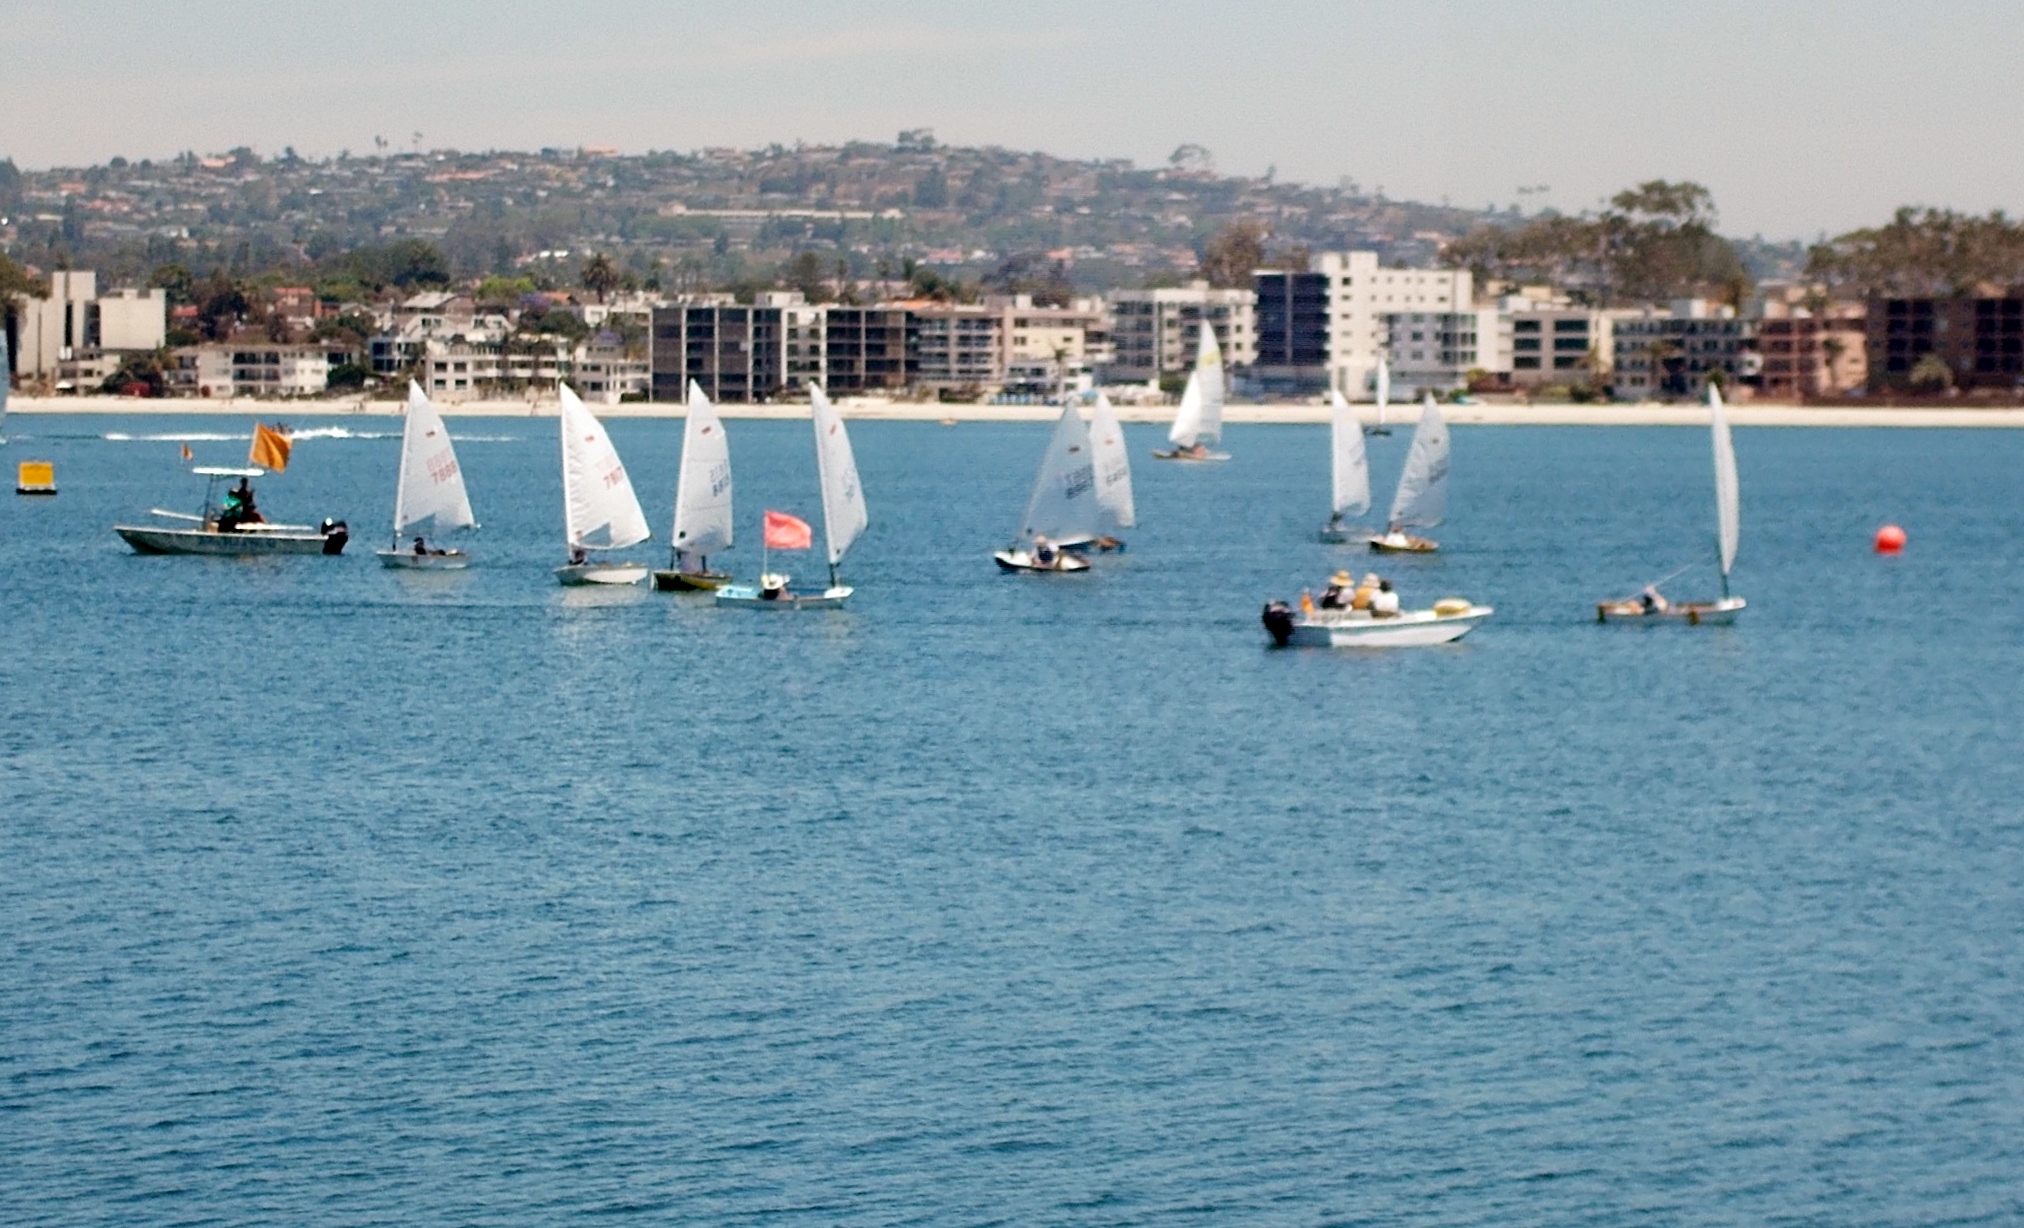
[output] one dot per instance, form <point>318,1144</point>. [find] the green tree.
<point>1931,374</point>
<point>221,305</point>
<point>599,276</point>
<point>1237,251</point>
<point>931,191</point>
<point>179,283</point>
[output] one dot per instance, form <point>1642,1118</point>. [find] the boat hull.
<point>1719,613</point>
<point>1023,561</point>
<point>146,539</point>
<point>601,573</point>
<point>1190,458</point>
<point>691,581</point>
<point>1340,535</point>
<point>1355,629</point>
<point>1410,545</point>
<point>408,560</point>
<point>746,597</point>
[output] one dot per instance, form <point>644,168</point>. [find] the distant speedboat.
<point>1349,471</point>
<point>1448,620</point>
<point>1421,501</point>
<point>220,531</point>
<point>1199,420</point>
<point>430,488</point>
<point>599,509</point>
<point>1061,508</point>
<point>1650,606</point>
<point>702,502</point>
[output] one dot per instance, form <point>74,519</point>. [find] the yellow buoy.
<point>36,478</point>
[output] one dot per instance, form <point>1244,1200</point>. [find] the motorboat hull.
<point>746,597</point>
<point>408,560</point>
<point>691,581</point>
<point>1358,629</point>
<point>1409,545</point>
<point>1023,561</point>
<point>146,539</point>
<point>1204,458</point>
<point>1719,613</point>
<point>601,573</point>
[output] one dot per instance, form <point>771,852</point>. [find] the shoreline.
<point>870,409</point>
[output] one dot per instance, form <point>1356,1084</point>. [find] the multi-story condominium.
<point>737,352</point>
<point>1154,333</point>
<point>1549,341</point>
<point>76,335</point>
<point>1672,351</point>
<point>1436,350</point>
<point>957,345</point>
<point>865,349</point>
<point>1326,327</point>
<point>1810,353</point>
<point>250,368</point>
<point>1981,340</point>
<point>1046,347</point>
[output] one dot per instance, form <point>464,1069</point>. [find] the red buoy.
<point>1890,539</point>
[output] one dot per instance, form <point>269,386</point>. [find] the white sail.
<point>843,511</point>
<point>1200,417</point>
<point>431,483</point>
<point>1349,468</point>
<point>5,380</point>
<point>600,511</point>
<point>703,492</point>
<point>1113,469</point>
<point>1728,515</point>
<point>1062,505</point>
<point>1422,498</point>
<point>1383,387</point>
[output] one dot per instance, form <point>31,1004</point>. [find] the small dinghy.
<point>599,509</point>
<point>232,525</point>
<point>1650,606</point>
<point>1448,620</point>
<point>843,518</point>
<point>1199,421</point>
<point>1422,497</point>
<point>702,502</point>
<point>430,488</point>
<point>1115,511</point>
<point>1349,471</point>
<point>1061,508</point>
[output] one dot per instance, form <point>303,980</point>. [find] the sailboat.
<point>1383,391</point>
<point>600,511</point>
<point>702,501</point>
<point>1649,605</point>
<point>1199,421</point>
<point>1115,511</point>
<point>430,486</point>
<point>843,518</point>
<point>1422,497</point>
<point>1349,469</point>
<point>1061,509</point>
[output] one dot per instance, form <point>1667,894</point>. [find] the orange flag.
<point>270,448</point>
<point>784,532</point>
<point>187,454</point>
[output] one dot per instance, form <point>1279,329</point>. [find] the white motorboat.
<point>218,530</point>
<point>702,502</point>
<point>1448,620</point>
<point>844,518</point>
<point>1421,501</point>
<point>1061,508</point>
<point>1198,423</point>
<point>430,489</point>
<point>600,511</point>
<point>1349,471</point>
<point>1650,606</point>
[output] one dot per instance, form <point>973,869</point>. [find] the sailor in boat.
<point>1339,593</point>
<point>578,556</point>
<point>1652,601</point>
<point>1044,552</point>
<point>772,587</point>
<point>422,548</point>
<point>239,508</point>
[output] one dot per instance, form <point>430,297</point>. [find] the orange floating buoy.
<point>1890,539</point>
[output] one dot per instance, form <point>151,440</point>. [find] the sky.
<point>1803,118</point>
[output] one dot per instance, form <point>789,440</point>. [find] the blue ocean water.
<point>330,895</point>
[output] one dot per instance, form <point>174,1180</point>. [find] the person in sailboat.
<point>1044,552</point>
<point>578,556</point>
<point>1652,601</point>
<point>772,587</point>
<point>1339,593</point>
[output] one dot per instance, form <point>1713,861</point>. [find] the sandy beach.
<point>880,409</point>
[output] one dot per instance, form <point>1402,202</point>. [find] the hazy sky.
<point>1802,117</point>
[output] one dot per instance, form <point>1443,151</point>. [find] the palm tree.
<point>600,276</point>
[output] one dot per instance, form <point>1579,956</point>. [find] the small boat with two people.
<point>1061,508</point>
<point>844,518</point>
<point>1421,501</point>
<point>1349,472</point>
<point>1198,422</point>
<point>233,524</point>
<point>430,489</point>
<point>1651,606</point>
<point>600,512</point>
<point>1368,615</point>
<point>702,502</point>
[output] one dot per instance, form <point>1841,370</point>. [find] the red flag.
<point>784,532</point>
<point>187,454</point>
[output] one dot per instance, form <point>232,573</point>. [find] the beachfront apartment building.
<point>1326,327</point>
<point>253,368</point>
<point>1154,333</point>
<point>1673,351</point>
<point>1438,351</point>
<point>1980,338</point>
<point>737,352</point>
<point>72,339</point>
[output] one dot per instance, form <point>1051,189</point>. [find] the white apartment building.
<point>1154,333</point>
<point>1363,298</point>
<point>1436,350</point>
<point>70,334</point>
<point>253,369</point>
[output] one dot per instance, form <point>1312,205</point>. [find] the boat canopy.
<point>220,471</point>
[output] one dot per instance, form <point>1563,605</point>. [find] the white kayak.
<point>1446,623</point>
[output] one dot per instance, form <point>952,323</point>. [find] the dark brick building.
<point>1981,339</point>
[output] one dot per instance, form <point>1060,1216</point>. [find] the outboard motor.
<point>1278,620</point>
<point>335,535</point>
